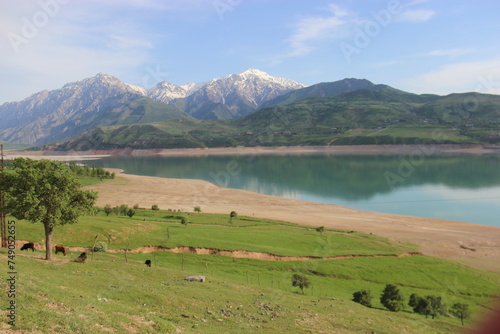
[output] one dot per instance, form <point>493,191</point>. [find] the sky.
<point>420,46</point>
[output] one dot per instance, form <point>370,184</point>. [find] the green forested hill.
<point>384,116</point>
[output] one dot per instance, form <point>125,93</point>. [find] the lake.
<point>462,188</point>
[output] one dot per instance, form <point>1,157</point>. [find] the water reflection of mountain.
<point>351,178</point>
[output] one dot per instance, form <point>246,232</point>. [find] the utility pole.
<point>3,222</point>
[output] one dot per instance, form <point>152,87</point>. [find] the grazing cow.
<point>148,263</point>
<point>61,249</point>
<point>28,245</point>
<point>82,257</point>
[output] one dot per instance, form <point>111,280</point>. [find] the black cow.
<point>61,249</point>
<point>148,263</point>
<point>82,257</point>
<point>28,245</point>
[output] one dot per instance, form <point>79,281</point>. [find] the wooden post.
<point>93,247</point>
<point>3,221</point>
<point>126,249</point>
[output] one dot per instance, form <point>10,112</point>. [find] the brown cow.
<point>61,249</point>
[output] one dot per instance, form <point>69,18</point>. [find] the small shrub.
<point>123,209</point>
<point>363,297</point>
<point>155,207</point>
<point>392,298</point>
<point>108,209</point>
<point>197,209</point>
<point>428,306</point>
<point>461,311</point>
<point>100,246</point>
<point>184,221</point>
<point>130,212</point>
<point>320,229</point>
<point>136,206</point>
<point>300,281</point>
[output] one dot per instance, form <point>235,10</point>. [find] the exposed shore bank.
<point>262,150</point>
<point>471,244</point>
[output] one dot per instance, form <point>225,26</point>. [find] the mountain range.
<point>248,108</point>
<point>103,100</point>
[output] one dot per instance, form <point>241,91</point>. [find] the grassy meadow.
<point>116,292</point>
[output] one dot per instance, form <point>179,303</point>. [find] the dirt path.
<point>244,254</point>
<point>241,254</point>
<point>436,237</point>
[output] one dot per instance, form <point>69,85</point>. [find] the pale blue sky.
<point>416,45</point>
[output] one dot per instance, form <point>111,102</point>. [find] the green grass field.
<point>116,292</point>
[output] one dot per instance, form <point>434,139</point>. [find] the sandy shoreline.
<point>471,244</point>
<point>262,150</point>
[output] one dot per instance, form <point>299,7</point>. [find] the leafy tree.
<point>300,281</point>
<point>130,212</point>
<point>363,297</point>
<point>461,311</point>
<point>108,209</point>
<point>392,298</point>
<point>155,207</point>
<point>136,206</point>
<point>47,192</point>
<point>428,306</point>
<point>184,221</point>
<point>100,246</point>
<point>123,209</point>
<point>320,229</point>
<point>197,209</point>
<point>232,215</point>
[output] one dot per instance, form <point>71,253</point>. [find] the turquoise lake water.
<point>461,188</point>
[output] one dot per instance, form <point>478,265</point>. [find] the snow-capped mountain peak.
<point>236,94</point>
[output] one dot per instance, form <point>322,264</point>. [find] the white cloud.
<point>313,28</point>
<point>453,53</point>
<point>73,44</point>
<point>478,76</point>
<point>415,16</point>
<point>387,63</point>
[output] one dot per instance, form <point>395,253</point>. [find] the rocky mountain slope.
<point>77,107</point>
<point>104,100</point>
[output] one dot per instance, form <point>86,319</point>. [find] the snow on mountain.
<point>77,106</point>
<point>231,96</point>
<point>236,95</point>
<point>60,113</point>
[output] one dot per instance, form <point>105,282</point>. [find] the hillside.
<point>330,89</point>
<point>240,294</point>
<point>385,116</point>
<point>78,107</point>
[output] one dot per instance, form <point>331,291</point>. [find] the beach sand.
<point>471,244</point>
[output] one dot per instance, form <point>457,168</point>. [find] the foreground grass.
<point>109,295</point>
<point>117,293</point>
